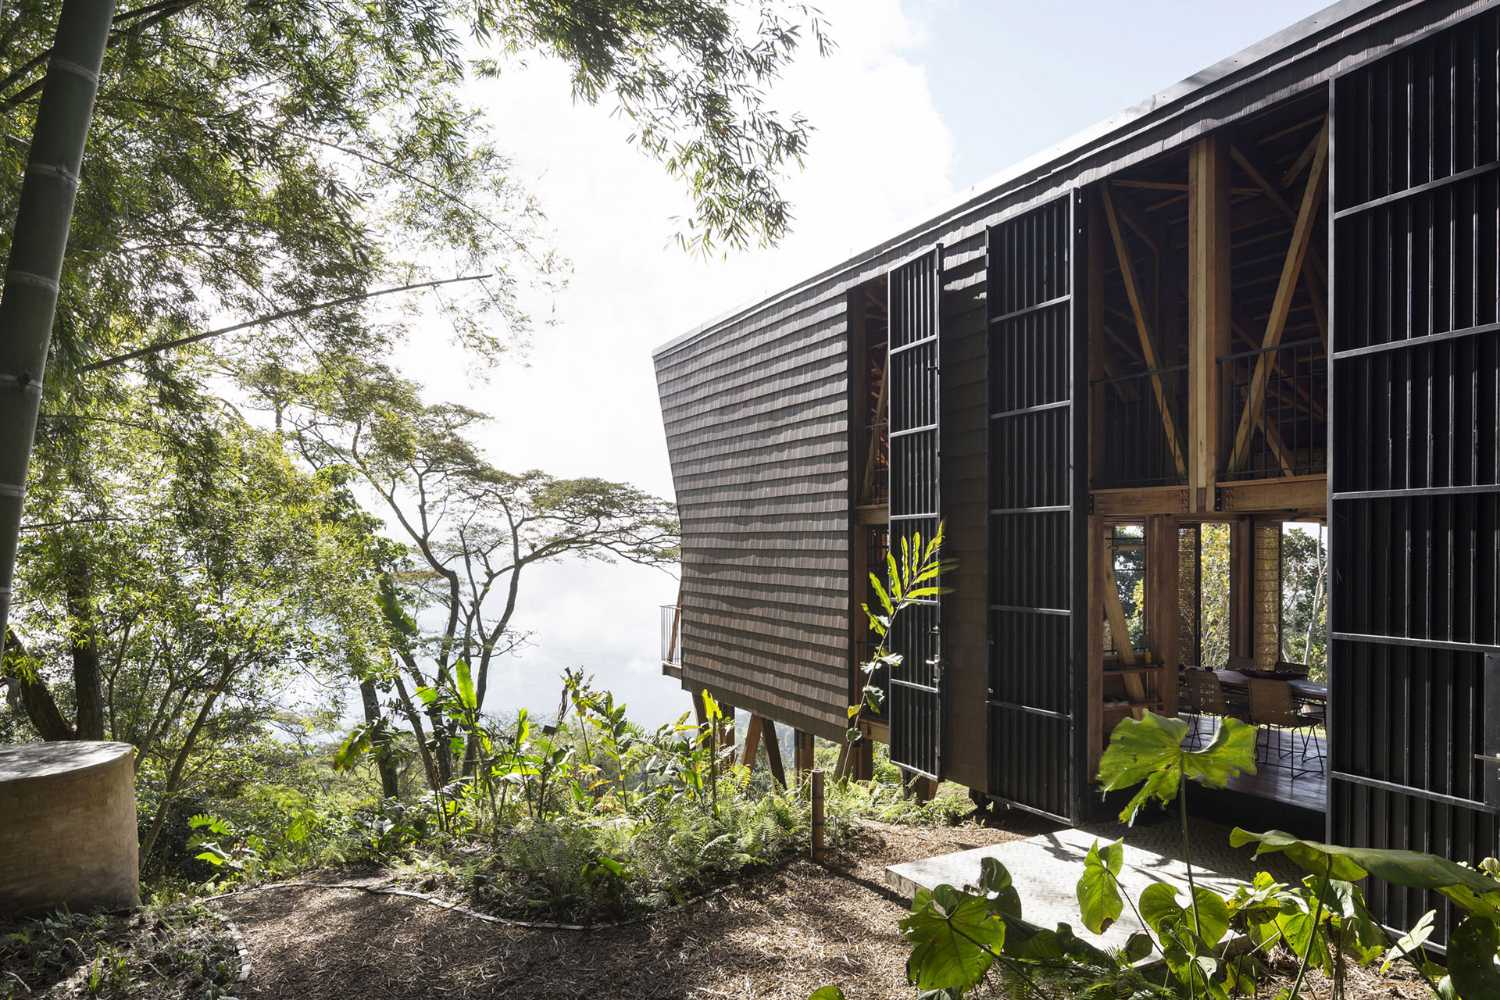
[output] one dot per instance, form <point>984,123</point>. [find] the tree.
<point>34,266</point>
<point>214,574</point>
<point>1304,598</point>
<point>260,158</point>
<point>471,531</point>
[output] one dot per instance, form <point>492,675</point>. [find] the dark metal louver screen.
<point>915,706</point>
<point>1037,513</point>
<point>1415,480</point>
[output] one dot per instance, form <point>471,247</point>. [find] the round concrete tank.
<point>67,827</point>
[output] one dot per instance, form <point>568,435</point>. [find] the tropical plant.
<point>1192,948</point>
<point>910,580</point>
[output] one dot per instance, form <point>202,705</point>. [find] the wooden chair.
<point>1203,695</point>
<point>1273,710</point>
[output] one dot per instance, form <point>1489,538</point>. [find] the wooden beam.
<point>1302,160</point>
<point>1276,323</point>
<point>1148,351</point>
<point>1094,654</point>
<point>1314,268</point>
<point>752,740</point>
<point>1279,450</point>
<point>1289,493</point>
<point>1210,328</point>
<point>1309,402</point>
<point>1139,501</point>
<point>773,751</point>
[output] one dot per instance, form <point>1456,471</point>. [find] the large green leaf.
<point>954,938</point>
<point>1099,901</point>
<point>1160,909</point>
<point>829,992</point>
<point>1210,919</point>
<point>1411,942</point>
<point>356,744</point>
<point>995,881</point>
<point>1148,752</point>
<point>468,697</point>
<point>1471,959</point>
<point>1472,890</point>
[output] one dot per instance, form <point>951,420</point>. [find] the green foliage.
<point>955,937</point>
<point>1148,752</point>
<point>960,937</point>
<point>910,580</point>
<point>1099,901</point>
<point>173,952</point>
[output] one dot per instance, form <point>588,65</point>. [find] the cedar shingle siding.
<point>757,428</point>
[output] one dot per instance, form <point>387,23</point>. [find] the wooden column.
<point>752,740</point>
<point>1241,590</point>
<point>803,743</point>
<point>1209,324</point>
<point>1162,609</point>
<point>773,751</point>
<point>1094,654</point>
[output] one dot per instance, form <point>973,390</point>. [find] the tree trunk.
<point>34,696</point>
<point>84,644</point>
<point>390,786</point>
<point>28,303</point>
<point>174,776</point>
<point>415,718</point>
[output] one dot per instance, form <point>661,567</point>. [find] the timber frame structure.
<point>1270,293</point>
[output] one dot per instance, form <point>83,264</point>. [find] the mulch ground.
<point>781,935</point>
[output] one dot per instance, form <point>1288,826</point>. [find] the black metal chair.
<point>1274,712</point>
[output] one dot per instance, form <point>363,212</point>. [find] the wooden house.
<point>1265,295</point>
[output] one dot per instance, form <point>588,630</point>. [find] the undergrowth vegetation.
<point>591,818</point>
<point>172,951</point>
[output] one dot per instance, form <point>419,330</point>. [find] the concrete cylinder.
<point>67,827</point>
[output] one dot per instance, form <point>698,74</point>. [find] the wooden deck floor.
<point>1306,786</point>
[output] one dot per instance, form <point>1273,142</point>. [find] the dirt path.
<point>779,936</point>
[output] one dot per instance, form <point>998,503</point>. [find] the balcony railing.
<point>671,639</point>
<point>1287,434</point>
<point>1137,448</point>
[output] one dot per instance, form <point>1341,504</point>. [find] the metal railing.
<point>1288,431</point>
<point>671,635</point>
<point>1135,448</point>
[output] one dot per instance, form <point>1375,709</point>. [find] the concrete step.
<point>1046,869</point>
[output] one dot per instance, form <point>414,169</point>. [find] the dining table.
<point>1302,688</point>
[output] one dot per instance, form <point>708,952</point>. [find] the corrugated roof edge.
<point>1006,182</point>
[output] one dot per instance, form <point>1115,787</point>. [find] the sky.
<point>921,100</point>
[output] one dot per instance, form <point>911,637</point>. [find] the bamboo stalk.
<point>28,303</point>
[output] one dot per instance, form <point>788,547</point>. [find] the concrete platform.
<point>1046,870</point>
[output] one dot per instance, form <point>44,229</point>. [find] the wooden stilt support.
<point>773,751</point>
<point>803,761</point>
<point>842,766</point>
<point>817,815</point>
<point>752,741</point>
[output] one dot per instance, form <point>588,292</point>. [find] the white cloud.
<point>587,402</point>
